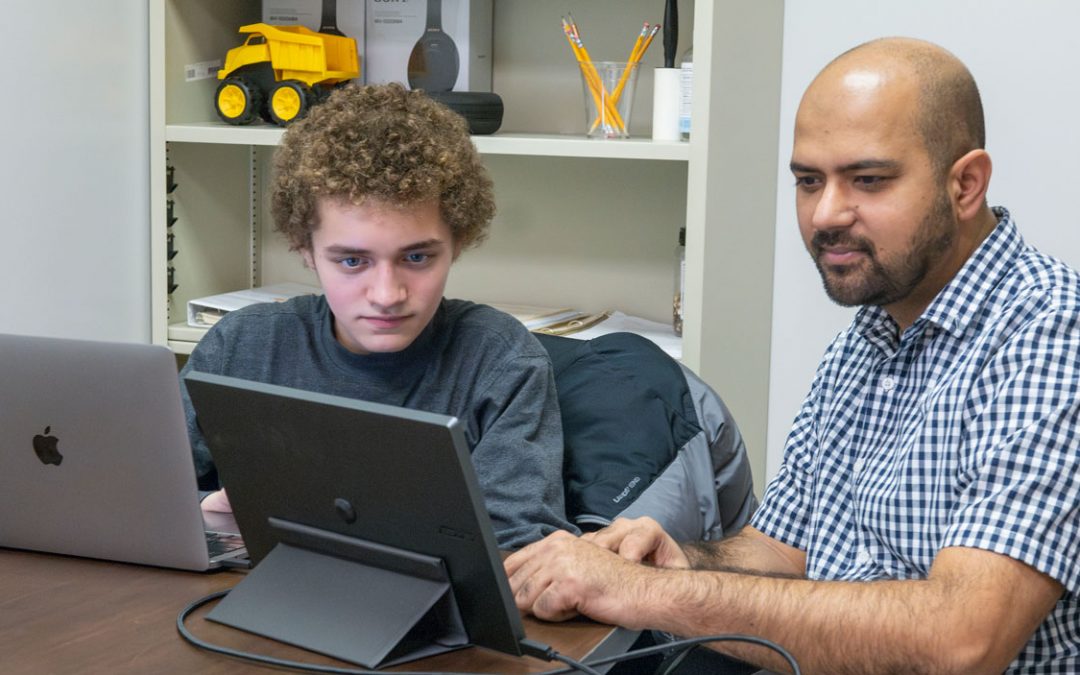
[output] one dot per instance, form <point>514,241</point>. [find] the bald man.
<point>926,518</point>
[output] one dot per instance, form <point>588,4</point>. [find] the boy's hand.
<point>217,502</point>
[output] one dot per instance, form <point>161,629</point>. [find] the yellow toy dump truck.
<point>280,71</point>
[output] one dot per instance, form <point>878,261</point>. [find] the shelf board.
<point>537,145</point>
<point>556,145</point>
<point>181,347</point>
<point>183,338</point>
<point>223,134</point>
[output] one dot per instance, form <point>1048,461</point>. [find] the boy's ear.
<point>309,261</point>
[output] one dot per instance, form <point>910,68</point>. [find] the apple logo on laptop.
<point>45,448</point>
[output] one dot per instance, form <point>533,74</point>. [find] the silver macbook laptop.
<point>94,456</point>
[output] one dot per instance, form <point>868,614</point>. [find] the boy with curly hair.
<point>380,189</point>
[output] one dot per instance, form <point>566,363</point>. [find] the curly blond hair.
<point>386,143</point>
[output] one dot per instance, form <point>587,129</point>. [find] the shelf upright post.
<point>254,211</point>
<point>731,207</point>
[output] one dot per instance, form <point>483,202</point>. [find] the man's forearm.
<point>753,584</point>
<point>973,614</point>
<point>832,627</point>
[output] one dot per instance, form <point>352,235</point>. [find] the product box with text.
<point>422,36</point>
<point>346,16</point>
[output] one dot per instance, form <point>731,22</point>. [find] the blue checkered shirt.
<point>962,431</point>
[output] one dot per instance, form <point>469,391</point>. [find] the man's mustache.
<point>839,238</point>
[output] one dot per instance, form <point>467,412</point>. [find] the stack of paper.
<point>205,312</point>
<point>552,321</point>
<point>585,326</point>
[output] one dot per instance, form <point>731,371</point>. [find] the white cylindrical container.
<point>666,93</point>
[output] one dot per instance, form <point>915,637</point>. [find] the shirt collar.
<point>962,299</point>
<point>415,355</point>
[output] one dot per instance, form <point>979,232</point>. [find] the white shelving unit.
<point>584,223</point>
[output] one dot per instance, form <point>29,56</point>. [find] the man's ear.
<point>309,261</point>
<point>969,179</point>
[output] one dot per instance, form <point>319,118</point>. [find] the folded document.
<point>552,321</point>
<point>205,312</point>
<point>585,325</point>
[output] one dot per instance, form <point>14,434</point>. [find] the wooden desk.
<point>63,615</point>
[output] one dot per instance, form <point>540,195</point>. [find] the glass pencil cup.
<point>609,97</point>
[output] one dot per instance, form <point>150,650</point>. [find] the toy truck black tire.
<point>238,100</point>
<point>289,100</point>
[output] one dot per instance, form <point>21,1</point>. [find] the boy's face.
<point>383,269</point>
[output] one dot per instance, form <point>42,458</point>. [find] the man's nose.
<point>834,208</point>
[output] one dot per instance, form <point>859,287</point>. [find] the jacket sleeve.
<point>519,454</point>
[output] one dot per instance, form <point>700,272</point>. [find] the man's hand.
<point>640,540</point>
<point>217,502</point>
<point>562,576</point>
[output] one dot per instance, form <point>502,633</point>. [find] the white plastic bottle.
<point>686,92</point>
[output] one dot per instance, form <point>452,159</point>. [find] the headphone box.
<point>310,14</point>
<point>394,30</point>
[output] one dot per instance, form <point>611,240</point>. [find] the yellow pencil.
<point>635,56</point>
<point>648,40</point>
<point>588,71</point>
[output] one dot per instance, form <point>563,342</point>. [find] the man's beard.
<point>885,282</point>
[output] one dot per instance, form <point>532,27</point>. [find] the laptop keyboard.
<point>222,543</point>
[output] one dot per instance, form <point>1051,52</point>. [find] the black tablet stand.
<point>345,597</point>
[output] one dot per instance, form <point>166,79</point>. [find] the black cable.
<point>546,653</point>
<point>531,648</point>
<point>687,643</point>
<point>574,665</point>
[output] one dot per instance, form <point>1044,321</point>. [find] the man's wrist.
<point>698,554</point>
<point>640,601</point>
<point>662,600</point>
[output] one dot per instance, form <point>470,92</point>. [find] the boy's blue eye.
<point>350,262</point>
<point>417,257</point>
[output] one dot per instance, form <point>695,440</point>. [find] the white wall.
<point>74,169</point>
<point>1025,59</point>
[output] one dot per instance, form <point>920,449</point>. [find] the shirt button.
<point>888,384</point>
<point>863,557</point>
<point>859,466</point>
